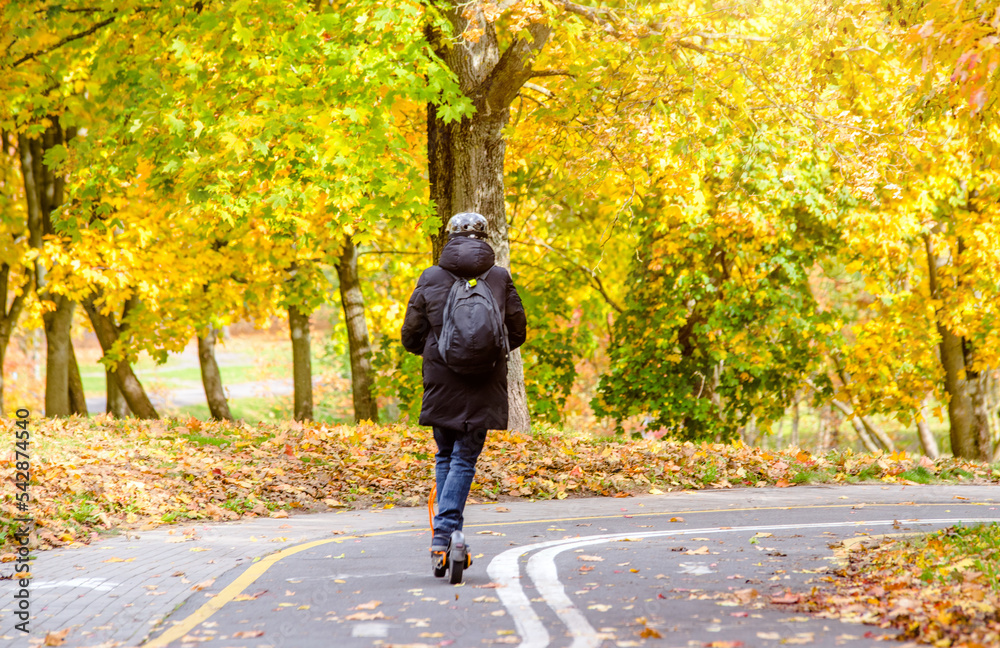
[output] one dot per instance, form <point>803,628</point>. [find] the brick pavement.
<point>114,593</point>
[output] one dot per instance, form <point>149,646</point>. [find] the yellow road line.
<point>256,570</point>
<point>237,587</point>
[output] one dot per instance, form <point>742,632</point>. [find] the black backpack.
<point>473,334</point>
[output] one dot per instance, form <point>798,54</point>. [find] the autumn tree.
<point>299,136</point>
<point>619,70</point>
<point>925,241</point>
<point>49,52</point>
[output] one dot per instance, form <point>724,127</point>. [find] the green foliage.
<point>399,376</point>
<point>721,324</point>
<point>557,336</point>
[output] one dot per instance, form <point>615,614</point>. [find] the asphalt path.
<point>705,569</point>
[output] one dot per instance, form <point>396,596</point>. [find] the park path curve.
<point>195,584</point>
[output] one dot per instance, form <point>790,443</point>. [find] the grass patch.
<point>956,474</point>
<point>812,477</point>
<point>252,410</point>
<point>950,555</point>
<point>869,473</point>
<point>919,475</point>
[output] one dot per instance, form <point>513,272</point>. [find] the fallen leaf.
<point>365,616</point>
<point>800,639</point>
<point>56,638</point>
<point>250,597</point>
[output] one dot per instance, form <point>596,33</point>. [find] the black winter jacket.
<point>452,400</point>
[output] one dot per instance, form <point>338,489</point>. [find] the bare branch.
<point>538,88</point>
<point>544,73</point>
<point>713,36</point>
<point>589,272</point>
<point>597,15</point>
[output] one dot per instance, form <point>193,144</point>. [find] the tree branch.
<point>591,275</point>
<point>538,88</point>
<point>544,73</point>
<point>713,36</point>
<point>597,15</point>
<point>68,39</point>
<point>508,76</point>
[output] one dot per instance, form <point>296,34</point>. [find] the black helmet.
<point>467,224</point>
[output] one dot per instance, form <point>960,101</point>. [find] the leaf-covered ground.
<point>941,589</point>
<point>101,475</point>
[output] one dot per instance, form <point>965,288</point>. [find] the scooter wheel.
<point>440,565</point>
<point>457,568</point>
<point>457,553</point>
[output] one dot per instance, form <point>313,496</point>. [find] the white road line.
<point>504,571</point>
<point>542,569</point>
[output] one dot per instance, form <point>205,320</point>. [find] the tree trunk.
<point>466,157</point>
<point>794,435</point>
<point>979,387</point>
<point>353,302</point>
<point>8,319</point>
<point>77,397</point>
<point>298,326</point>
<point>960,407</point>
<point>962,419</point>
<point>749,431</point>
<point>820,432</point>
<point>866,439</point>
<point>44,193</point>
<point>211,378</point>
<point>107,333</point>
<point>517,397</point>
<point>58,347</point>
<point>993,405</point>
<point>927,441</point>
<point>116,404</point>
<point>4,341</point>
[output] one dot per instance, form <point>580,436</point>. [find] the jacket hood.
<point>467,257</point>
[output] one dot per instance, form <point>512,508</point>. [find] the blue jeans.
<point>454,469</point>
